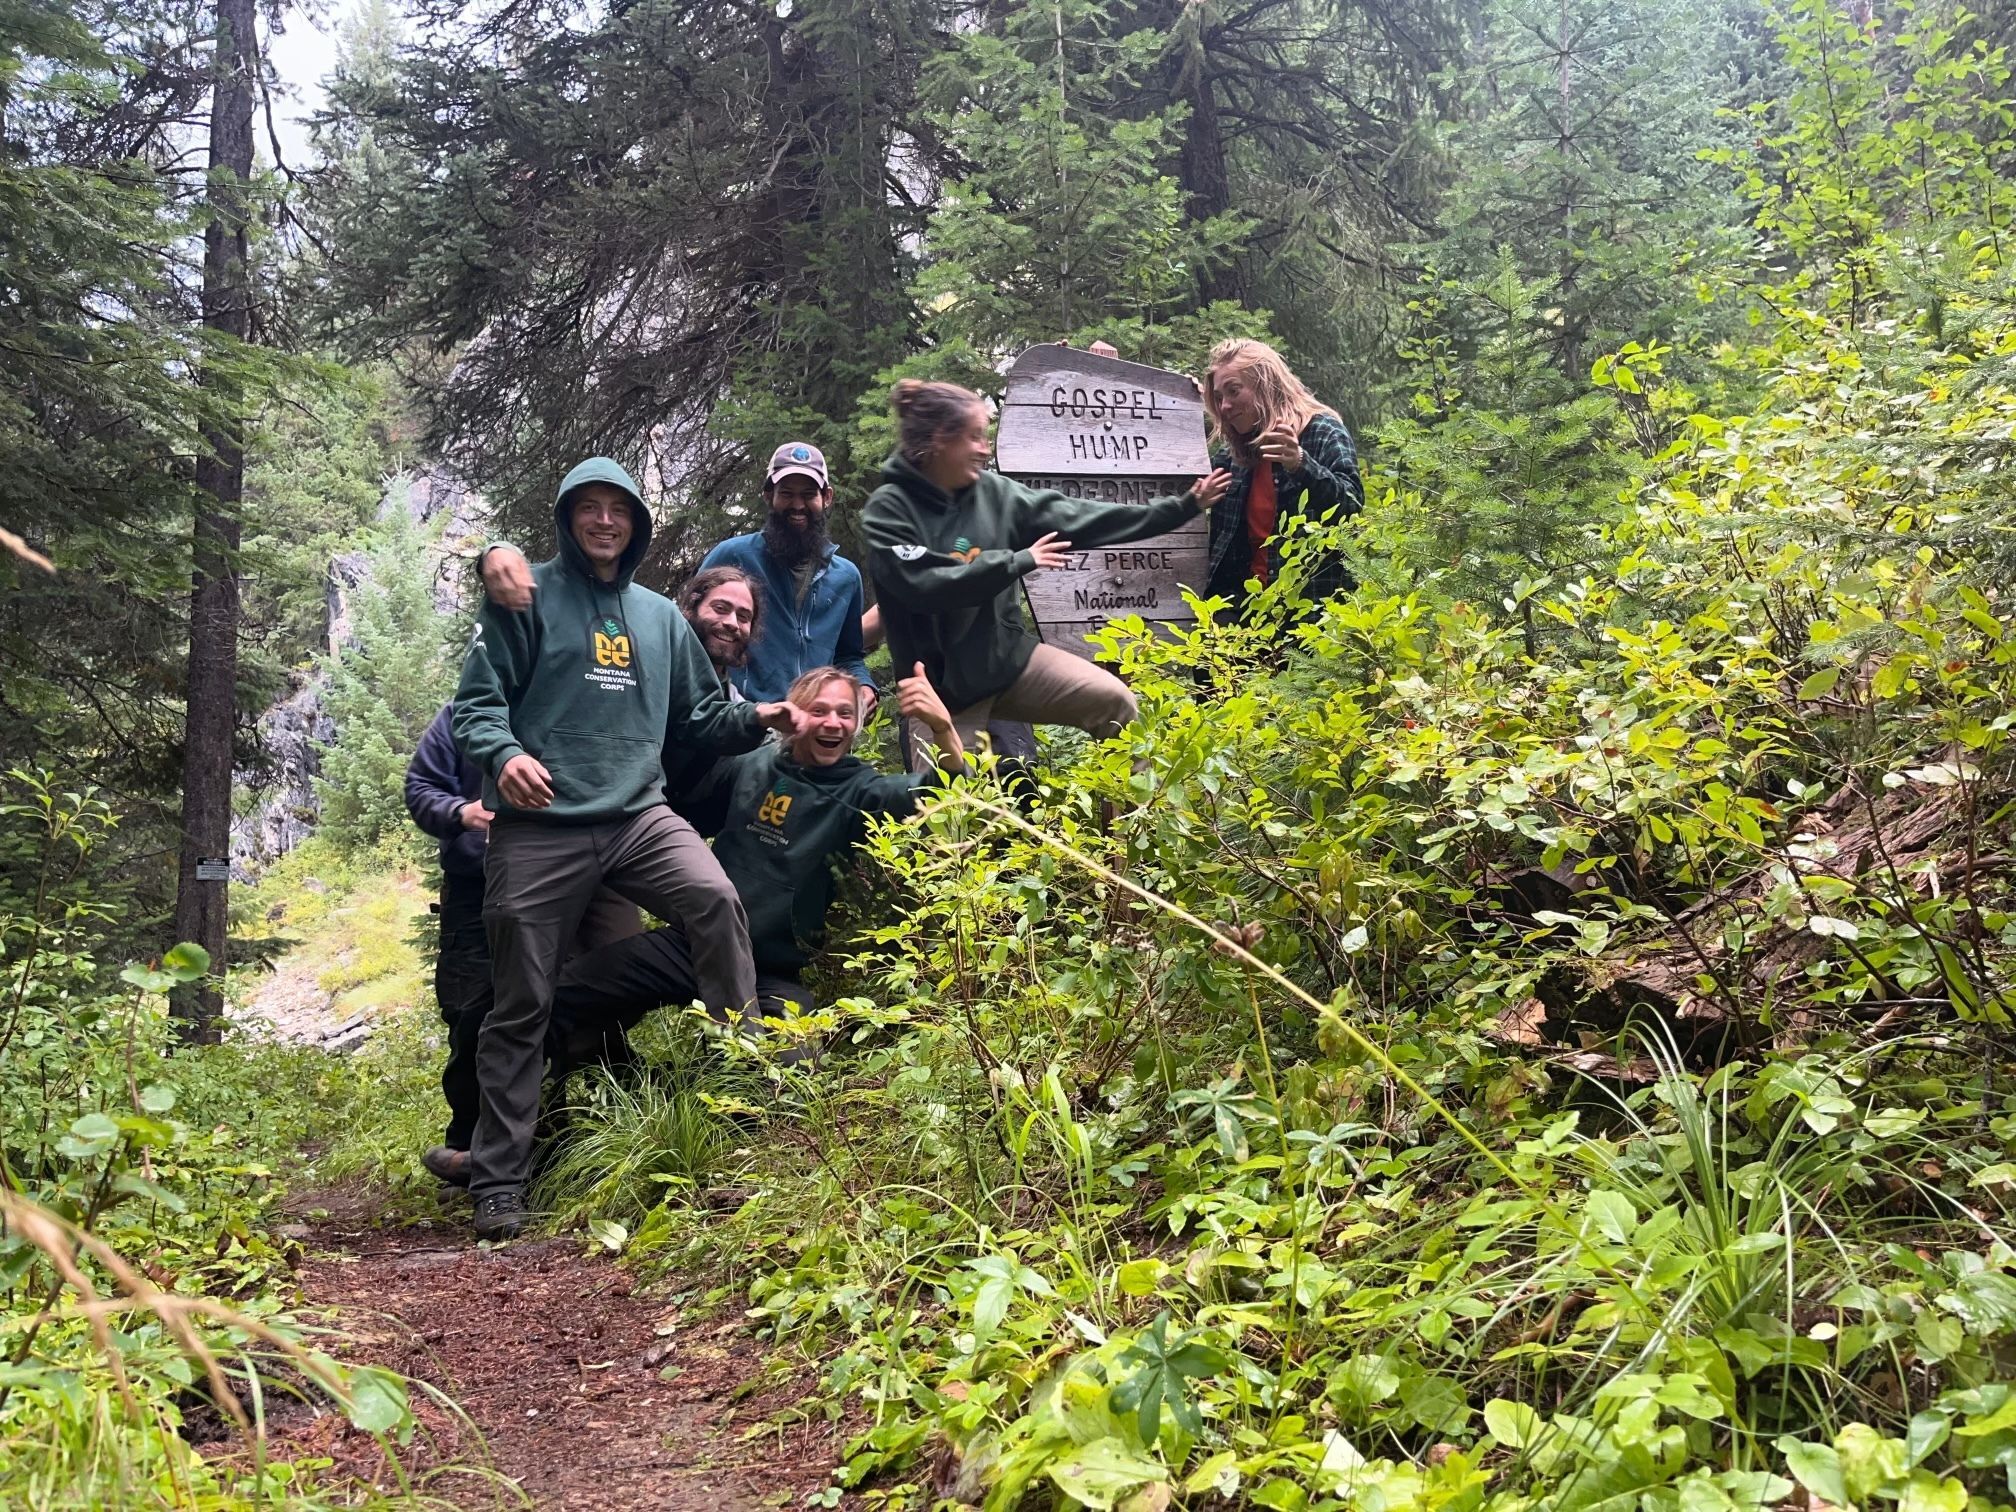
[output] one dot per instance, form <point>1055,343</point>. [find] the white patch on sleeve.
<point>907,553</point>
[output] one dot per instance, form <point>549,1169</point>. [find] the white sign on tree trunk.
<point>1098,428</point>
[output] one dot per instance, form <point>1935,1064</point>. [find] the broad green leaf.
<point>1098,1474</point>
<point>1613,1214</point>
<point>377,1402</point>
<point>1363,1381</point>
<point>1339,1453</point>
<point>1938,1338</point>
<point>1927,1431</point>
<point>1821,683</point>
<point>1926,1492</point>
<point>1816,1467</point>
<point>186,962</point>
<point>1753,1488</point>
<point>1280,1495</point>
<point>1689,1394</point>
<point>133,1184</point>
<point>1888,1123</point>
<point>990,1304</point>
<point>1219,1473</point>
<point>2001,1418</point>
<point>147,979</point>
<point>1513,1424</point>
<point>1139,1278</point>
<point>90,1136</point>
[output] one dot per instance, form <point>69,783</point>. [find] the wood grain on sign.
<point>1098,428</point>
<point>1140,578</point>
<point>1070,412</point>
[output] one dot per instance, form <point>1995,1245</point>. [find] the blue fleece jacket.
<point>439,780</point>
<point>824,631</point>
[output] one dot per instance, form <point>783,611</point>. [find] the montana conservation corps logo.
<point>610,644</point>
<point>770,816</point>
<point>612,648</point>
<point>801,454</point>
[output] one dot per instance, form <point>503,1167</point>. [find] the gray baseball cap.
<point>798,457</point>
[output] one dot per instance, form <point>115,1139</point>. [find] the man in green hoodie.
<point>568,707</point>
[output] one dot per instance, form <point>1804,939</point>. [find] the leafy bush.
<point>139,1193</point>
<point>1481,1066</point>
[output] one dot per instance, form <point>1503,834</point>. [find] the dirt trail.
<point>562,1368</point>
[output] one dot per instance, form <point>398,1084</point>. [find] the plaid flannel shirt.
<point>1327,483</point>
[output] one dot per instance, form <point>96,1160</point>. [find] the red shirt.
<point>1261,512</point>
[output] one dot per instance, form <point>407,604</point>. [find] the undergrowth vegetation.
<point>1531,1032</point>
<point>1545,1047</point>
<point>146,1337</point>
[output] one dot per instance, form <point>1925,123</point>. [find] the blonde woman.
<point>1289,455</point>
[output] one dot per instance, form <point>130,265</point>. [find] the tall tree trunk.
<point>1200,168</point>
<point>200,901</point>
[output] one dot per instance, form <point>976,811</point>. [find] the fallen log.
<point>1709,996</point>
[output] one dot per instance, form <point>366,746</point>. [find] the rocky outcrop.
<point>277,795</point>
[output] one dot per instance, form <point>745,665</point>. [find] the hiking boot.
<point>501,1215</point>
<point>446,1163</point>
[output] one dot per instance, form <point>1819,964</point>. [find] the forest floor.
<point>561,1382</point>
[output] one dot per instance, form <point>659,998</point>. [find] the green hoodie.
<point>781,827</point>
<point>945,568</point>
<point>596,680</point>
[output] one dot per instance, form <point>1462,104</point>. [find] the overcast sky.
<point>302,55</point>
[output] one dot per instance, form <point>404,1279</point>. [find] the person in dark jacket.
<point>1289,456</point>
<point>568,707</point>
<point>949,543</point>
<point>444,794</point>
<point>783,816</point>
<point>724,605</point>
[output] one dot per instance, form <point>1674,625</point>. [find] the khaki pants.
<point>538,882</point>
<point>1056,688</point>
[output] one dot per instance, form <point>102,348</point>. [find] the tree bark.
<point>211,719</point>
<point>1200,169</point>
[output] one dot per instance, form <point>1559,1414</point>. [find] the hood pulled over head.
<point>601,470</point>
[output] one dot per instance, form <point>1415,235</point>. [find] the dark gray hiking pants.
<point>538,880</point>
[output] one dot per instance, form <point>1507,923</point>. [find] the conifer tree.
<point>387,680</point>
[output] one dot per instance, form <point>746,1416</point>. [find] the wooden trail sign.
<point>1099,428</point>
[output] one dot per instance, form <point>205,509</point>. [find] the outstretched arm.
<point>702,713</point>
<point>1091,523</point>
<point>934,581</point>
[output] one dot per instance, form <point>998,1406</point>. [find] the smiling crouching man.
<point>566,707</point>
